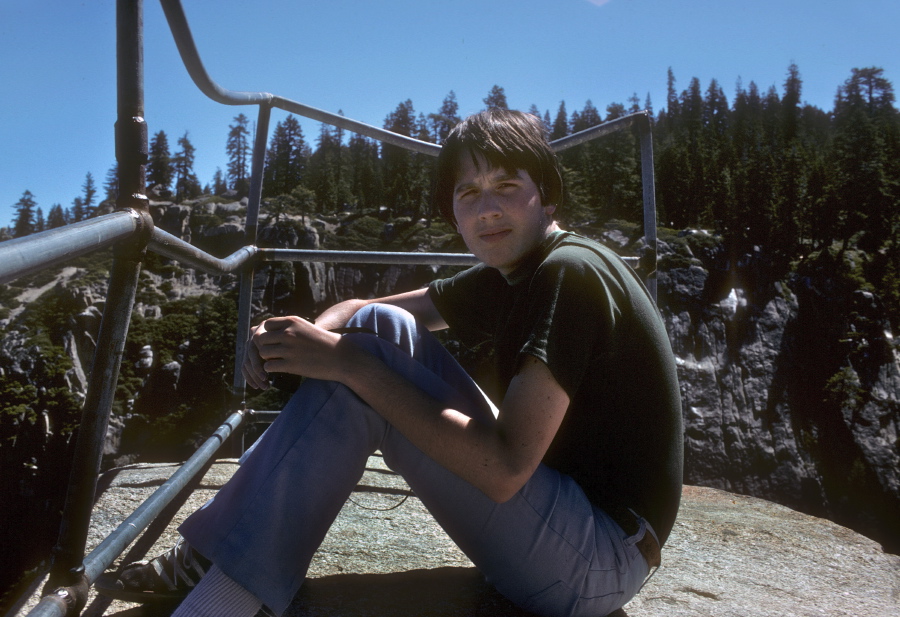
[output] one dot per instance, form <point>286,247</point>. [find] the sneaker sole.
<point>107,585</point>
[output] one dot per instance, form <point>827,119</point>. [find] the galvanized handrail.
<point>191,58</point>
<point>131,230</point>
<point>609,127</point>
<point>173,247</point>
<point>23,256</point>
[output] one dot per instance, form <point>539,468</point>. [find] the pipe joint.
<point>72,598</point>
<point>134,247</point>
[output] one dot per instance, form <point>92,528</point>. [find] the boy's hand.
<point>293,345</point>
<point>252,368</point>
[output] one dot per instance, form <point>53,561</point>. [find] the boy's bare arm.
<point>417,302</point>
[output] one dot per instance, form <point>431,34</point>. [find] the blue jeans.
<point>547,549</point>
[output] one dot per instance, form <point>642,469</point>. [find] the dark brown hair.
<point>509,140</point>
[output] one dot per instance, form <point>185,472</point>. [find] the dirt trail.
<point>33,293</point>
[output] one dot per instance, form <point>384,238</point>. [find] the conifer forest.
<point>765,171</point>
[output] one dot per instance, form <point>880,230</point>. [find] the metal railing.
<point>130,231</point>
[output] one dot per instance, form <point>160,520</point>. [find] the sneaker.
<point>168,577</point>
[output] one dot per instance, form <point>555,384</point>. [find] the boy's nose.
<point>489,207</point>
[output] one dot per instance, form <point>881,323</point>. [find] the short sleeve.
<point>571,314</point>
<point>470,302</point>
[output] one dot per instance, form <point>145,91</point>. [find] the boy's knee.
<point>373,315</point>
<point>389,323</point>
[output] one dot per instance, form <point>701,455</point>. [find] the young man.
<point>562,496</point>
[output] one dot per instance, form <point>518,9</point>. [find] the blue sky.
<point>57,64</point>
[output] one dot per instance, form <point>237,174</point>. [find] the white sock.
<point>217,595</point>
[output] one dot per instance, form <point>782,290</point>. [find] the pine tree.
<point>187,186</point>
<point>618,176</point>
<point>496,98</point>
<point>561,124</point>
<point>111,185</point>
<point>398,162</point>
<point>365,181</point>
<point>23,223</point>
<point>56,217</point>
<point>790,170</point>
<point>588,117</point>
<point>863,195</point>
<point>326,178</point>
<point>635,103</point>
<point>286,158</point>
<point>237,147</point>
<point>671,94</point>
<point>89,193</point>
<point>219,186</point>
<point>39,224</point>
<point>77,210</point>
<point>750,210</point>
<point>423,175</point>
<point>791,102</point>
<point>299,153</point>
<point>574,120</point>
<point>445,119</point>
<point>159,165</point>
<point>715,157</point>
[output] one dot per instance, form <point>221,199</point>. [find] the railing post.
<point>246,291</point>
<point>649,187</point>
<point>131,153</point>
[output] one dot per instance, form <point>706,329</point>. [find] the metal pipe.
<point>383,135</point>
<point>173,247</point>
<point>131,147</point>
<point>23,256</point>
<point>69,551</point>
<point>188,49</point>
<point>245,296</point>
<point>106,552</point>
<point>649,190</point>
<point>257,416</point>
<point>619,124</point>
<point>55,604</point>
<point>368,257</point>
<point>256,173</point>
<point>131,129</point>
<point>378,257</point>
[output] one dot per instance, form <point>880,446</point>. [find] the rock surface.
<point>728,555</point>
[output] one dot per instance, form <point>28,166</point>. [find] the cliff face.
<point>791,386</point>
<point>791,389</point>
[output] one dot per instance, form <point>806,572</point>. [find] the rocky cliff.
<point>791,387</point>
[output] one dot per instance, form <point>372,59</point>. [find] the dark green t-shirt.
<point>575,305</point>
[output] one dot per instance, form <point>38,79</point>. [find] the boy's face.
<point>499,215</point>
